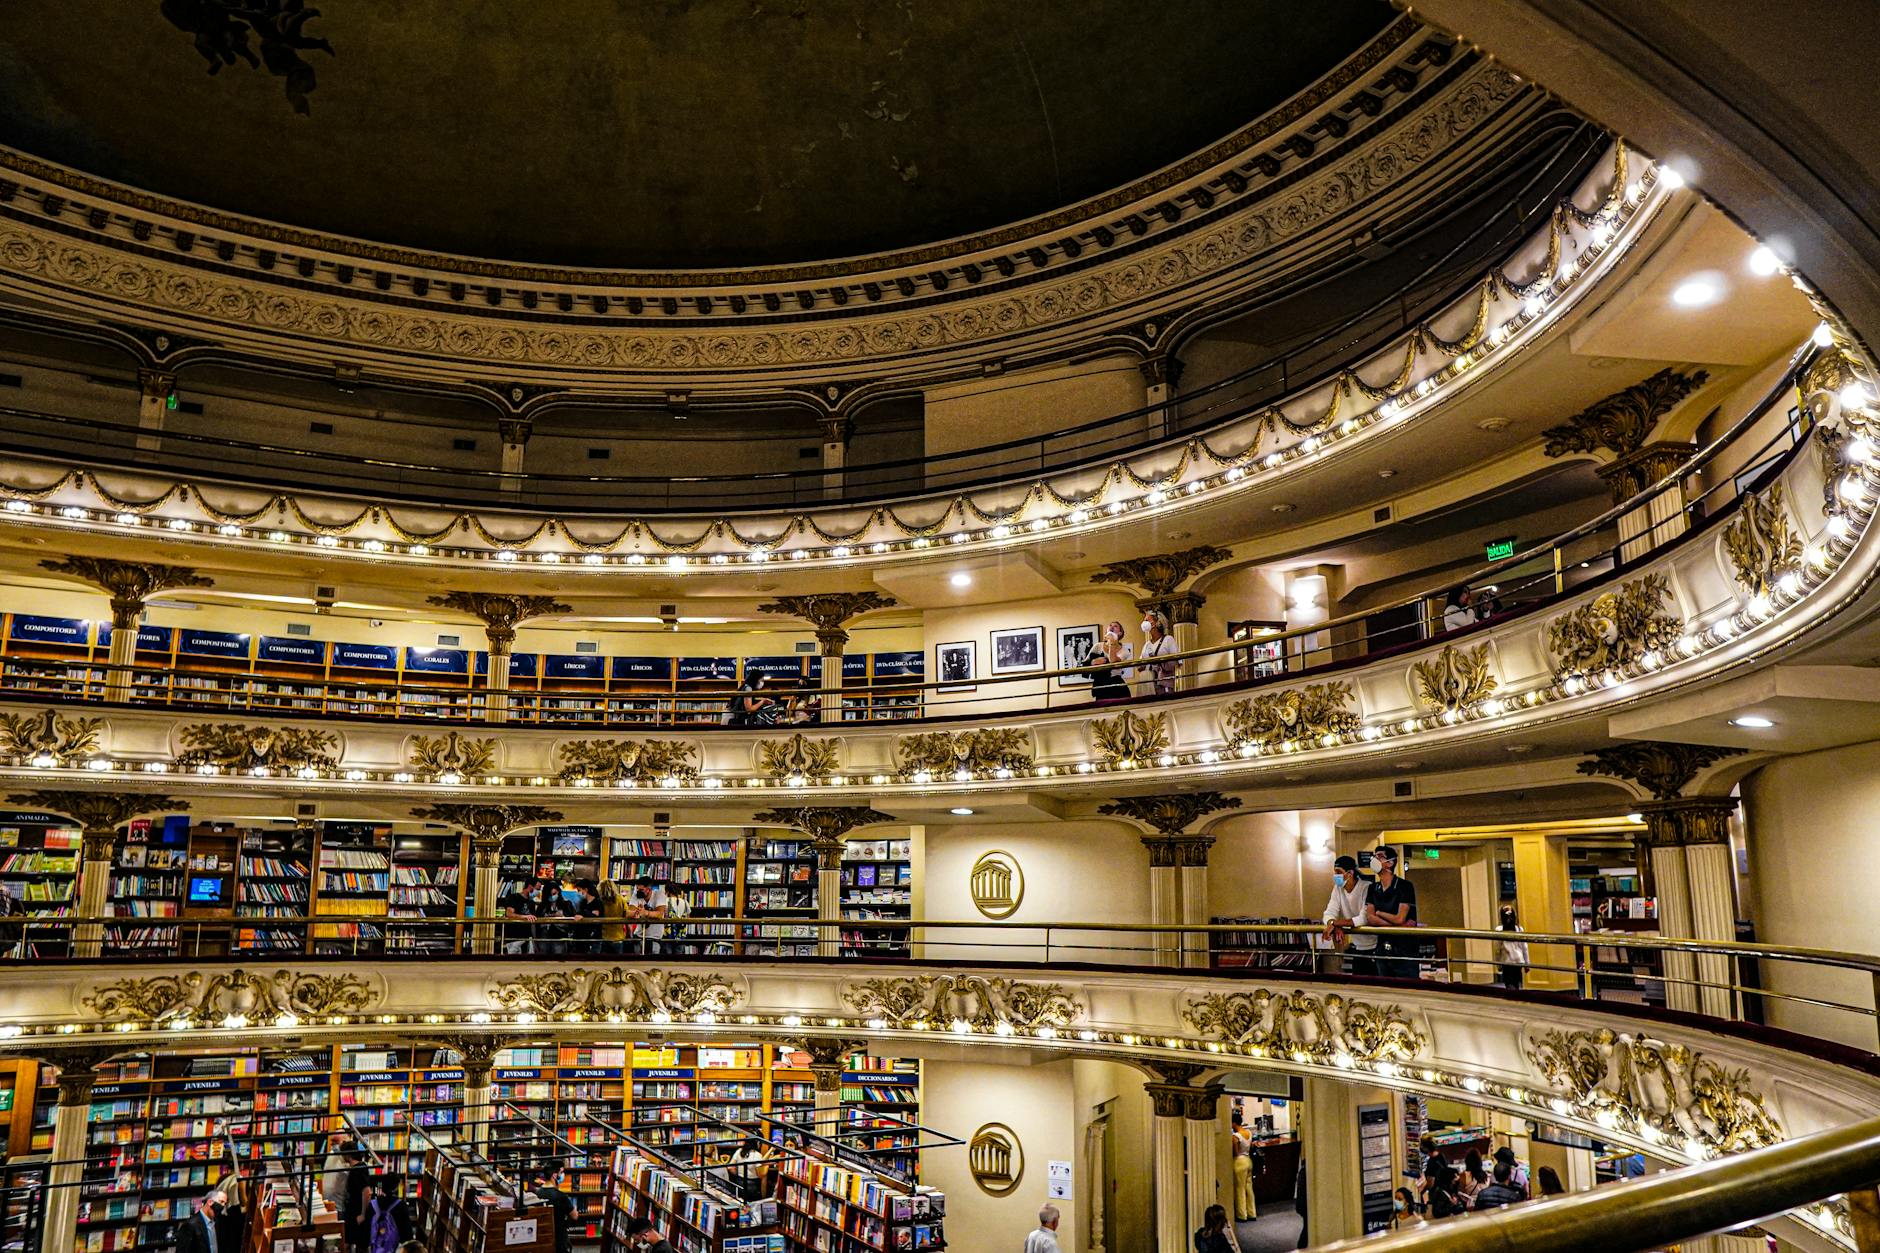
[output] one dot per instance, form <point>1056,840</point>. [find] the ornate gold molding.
<point>488,824</point>
<point>642,761</point>
<point>452,753</point>
<point>1688,821</point>
<point>829,612</point>
<point>234,995</point>
<point>799,756</point>
<point>1760,542</point>
<point>981,751</point>
<point>1129,737</point>
<point>1160,574</point>
<point>996,1159</point>
<point>1304,714</point>
<point>1621,422</point>
<point>236,747</point>
<point>982,1002</point>
<point>640,995</point>
<point>822,823</point>
<point>1453,681</point>
<point>1170,814</point>
<point>500,613</point>
<point>130,583</point>
<point>1644,1082</point>
<point>48,734</point>
<point>1661,768</point>
<point>100,813</point>
<point>1307,1026</point>
<point>1615,630</point>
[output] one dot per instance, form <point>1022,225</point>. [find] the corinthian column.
<point>826,825</point>
<point>487,825</point>
<point>1201,1132</point>
<point>479,1057</point>
<point>1178,867</point>
<point>1170,1099</point>
<point>829,612</point>
<point>1691,851</point>
<point>501,613</point>
<point>77,1072</point>
<point>130,584</point>
<point>825,1069</point>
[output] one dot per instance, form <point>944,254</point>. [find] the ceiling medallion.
<point>996,884</point>
<point>996,1159</point>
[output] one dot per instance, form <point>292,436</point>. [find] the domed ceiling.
<point>651,133</point>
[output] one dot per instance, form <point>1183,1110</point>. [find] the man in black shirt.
<point>640,1235</point>
<point>560,1204</point>
<point>1392,902</point>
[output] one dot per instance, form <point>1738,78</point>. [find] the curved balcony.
<point>1239,436</point>
<point>1678,1087</point>
<point>1655,596</point>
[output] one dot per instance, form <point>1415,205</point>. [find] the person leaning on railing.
<point>1343,911</point>
<point>1391,901</point>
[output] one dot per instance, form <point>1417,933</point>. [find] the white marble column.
<point>485,857</point>
<point>1671,883</point>
<point>1713,917</point>
<point>1169,1141</point>
<point>94,889</point>
<point>1164,898</point>
<point>68,1154</point>
<point>1696,888</point>
<point>828,897</point>
<point>1201,1129</point>
<point>1193,871</point>
<point>1662,519</point>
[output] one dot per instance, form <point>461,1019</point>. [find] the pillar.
<point>1191,856</point>
<point>129,584</point>
<point>830,641</point>
<point>836,434</point>
<point>1662,519</point>
<point>94,887</point>
<point>1164,898</point>
<point>497,707</point>
<point>1695,884</point>
<point>1184,624</point>
<point>154,389</point>
<point>514,433</point>
<point>76,1076</point>
<point>485,857</point>
<point>500,613</point>
<point>1169,1143</point>
<point>1161,375</point>
<point>479,1056</point>
<point>828,896</point>
<point>1334,1198</point>
<point>1481,911</point>
<point>825,1068</point>
<point>1544,905</point>
<point>1201,1130</point>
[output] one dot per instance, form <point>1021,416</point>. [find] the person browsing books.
<point>640,1235</point>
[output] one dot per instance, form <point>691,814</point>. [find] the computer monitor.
<point>206,889</point>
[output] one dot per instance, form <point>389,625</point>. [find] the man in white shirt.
<point>1345,909</point>
<point>1044,1239</point>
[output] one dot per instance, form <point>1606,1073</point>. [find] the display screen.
<point>204,889</point>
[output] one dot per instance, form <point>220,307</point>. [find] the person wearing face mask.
<point>215,1227</point>
<point>1110,681</point>
<point>1154,675</point>
<point>1404,1210</point>
<point>1344,910</point>
<point>1392,902</point>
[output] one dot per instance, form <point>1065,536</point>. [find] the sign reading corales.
<point>437,661</point>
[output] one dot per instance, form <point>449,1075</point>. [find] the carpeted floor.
<point>1274,1231</point>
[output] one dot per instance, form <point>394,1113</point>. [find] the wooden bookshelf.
<point>690,1216</point>
<point>39,868</point>
<point>274,879</point>
<point>353,878</point>
<point>877,885</point>
<point>779,888</point>
<point>427,881</point>
<point>149,876</point>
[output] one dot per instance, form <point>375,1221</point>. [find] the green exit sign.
<point>169,401</point>
<point>1499,549</point>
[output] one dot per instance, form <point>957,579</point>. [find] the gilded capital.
<point>823,823</point>
<point>1623,421</point>
<point>488,823</point>
<point>1640,468</point>
<point>1159,575</point>
<point>78,1071</point>
<point>129,583</point>
<point>828,612</point>
<point>1663,769</point>
<point>500,612</point>
<point>1170,814</point>
<point>1690,821</point>
<point>100,814</point>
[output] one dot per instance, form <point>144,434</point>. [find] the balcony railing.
<point>1602,548</point>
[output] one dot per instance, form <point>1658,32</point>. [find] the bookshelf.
<point>691,1217</point>
<point>274,880</point>
<point>779,885</point>
<point>426,882</point>
<point>149,870</point>
<point>45,654</point>
<point>467,1211</point>
<point>706,875</point>
<point>877,885</point>
<point>878,678</point>
<point>354,879</point>
<point>839,1209</point>
<point>39,869</point>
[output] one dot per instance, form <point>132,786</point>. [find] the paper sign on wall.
<point>1058,1180</point>
<point>521,1231</point>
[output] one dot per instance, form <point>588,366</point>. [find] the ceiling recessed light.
<point>960,811</point>
<point>1283,507</point>
<point>1692,293</point>
<point>1670,178</point>
<point>1753,722</point>
<point>962,579</point>
<point>1386,474</point>
<point>1764,261</point>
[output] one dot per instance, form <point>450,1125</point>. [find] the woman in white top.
<point>1459,612</point>
<point>1344,910</point>
<point>1511,955</point>
<point>1153,675</point>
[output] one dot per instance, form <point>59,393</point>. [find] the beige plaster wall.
<point>977,622</point>
<point>1024,403</point>
<point>1091,871</point>
<point>1036,1102</point>
<point>1129,1208</point>
<point>1814,855</point>
<point>1255,869</point>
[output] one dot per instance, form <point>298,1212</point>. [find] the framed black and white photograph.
<point>1077,650</point>
<point>1018,650</point>
<point>957,665</point>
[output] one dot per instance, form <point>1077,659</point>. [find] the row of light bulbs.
<point>1533,307</point>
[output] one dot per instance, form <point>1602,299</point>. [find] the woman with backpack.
<point>388,1218</point>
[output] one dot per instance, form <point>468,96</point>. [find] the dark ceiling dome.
<point>652,133</point>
